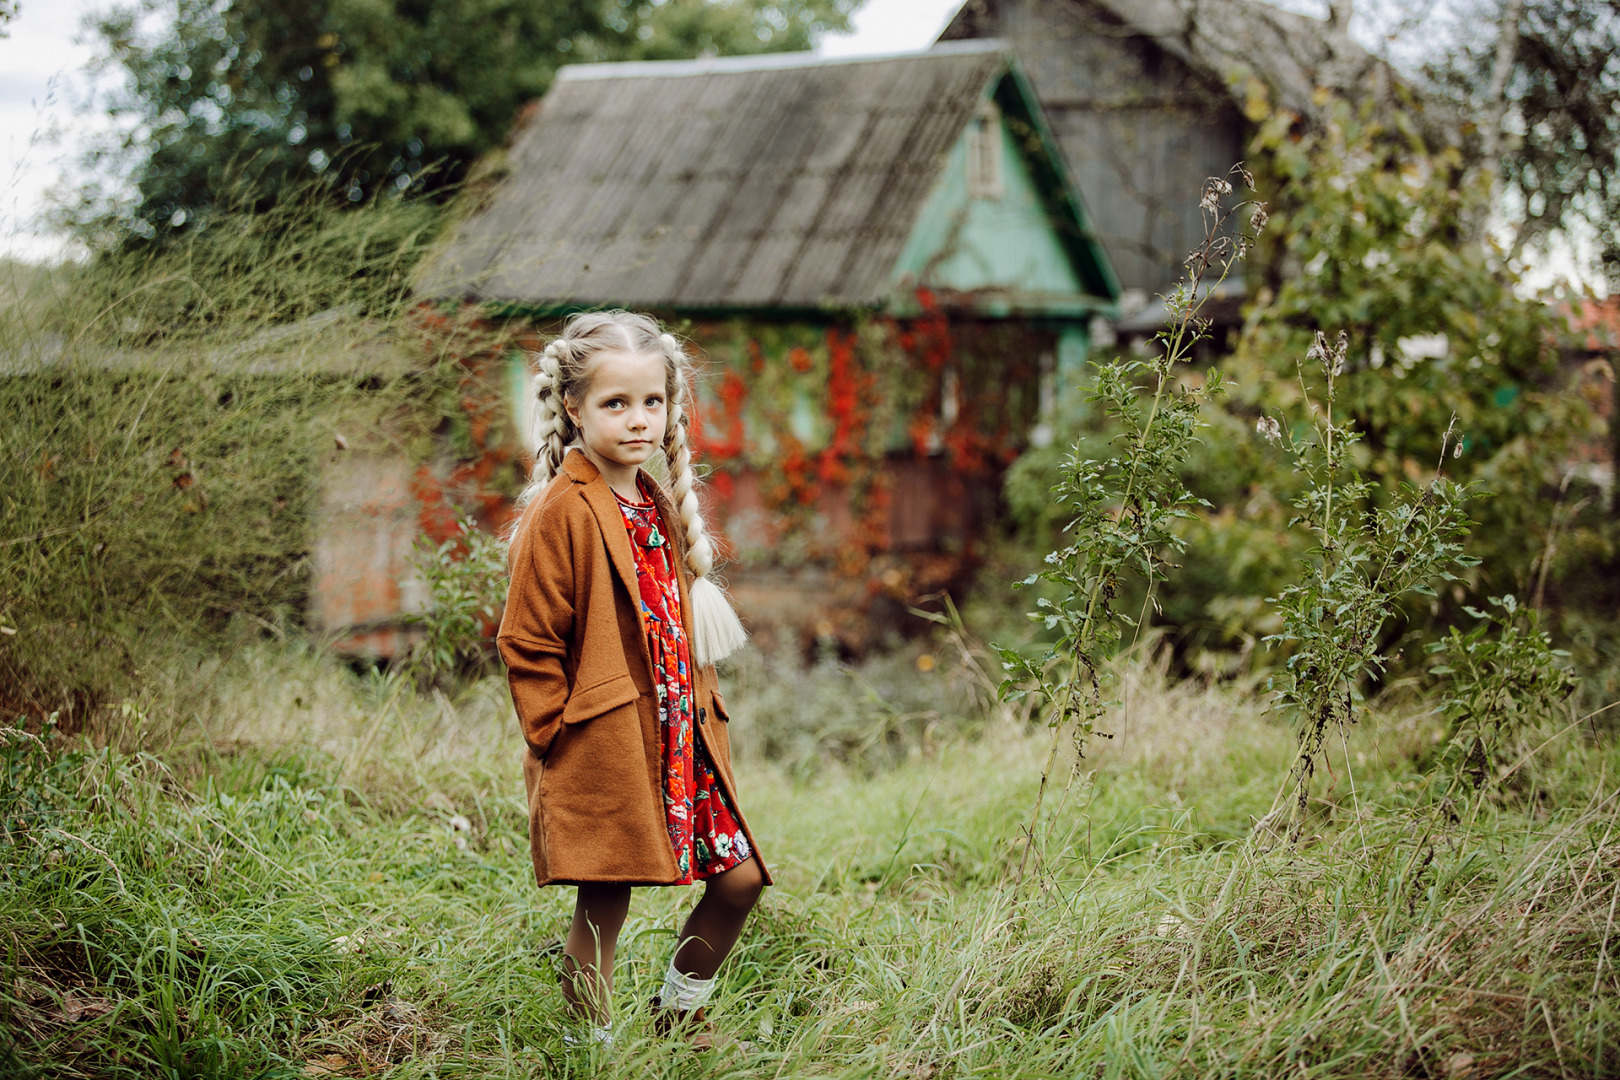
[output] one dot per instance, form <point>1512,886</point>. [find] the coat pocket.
<point>598,698</point>
<point>720,707</point>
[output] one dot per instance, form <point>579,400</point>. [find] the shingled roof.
<point>778,182</point>
<point>1229,41</point>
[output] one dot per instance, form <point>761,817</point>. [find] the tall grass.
<point>329,876</point>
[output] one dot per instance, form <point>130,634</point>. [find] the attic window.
<point>984,153</point>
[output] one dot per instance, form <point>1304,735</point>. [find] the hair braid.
<point>553,428</point>
<point>550,429</point>
<point>716,630</point>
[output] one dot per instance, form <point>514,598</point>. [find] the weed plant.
<point>1122,509</point>
<point>1502,679</point>
<point>466,580</point>
<point>1366,559</point>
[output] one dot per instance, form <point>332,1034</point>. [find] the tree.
<point>372,95</point>
<point>1544,86</point>
<point>1438,334</point>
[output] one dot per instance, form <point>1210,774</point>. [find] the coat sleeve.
<point>537,627</point>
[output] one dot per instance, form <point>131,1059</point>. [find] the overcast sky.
<point>40,69</point>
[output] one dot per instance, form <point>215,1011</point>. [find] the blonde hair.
<point>562,376</point>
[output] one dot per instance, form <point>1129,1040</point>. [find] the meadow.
<point>278,867</point>
<point>234,856</point>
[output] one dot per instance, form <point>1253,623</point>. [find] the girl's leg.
<point>587,981</point>
<point>717,921</point>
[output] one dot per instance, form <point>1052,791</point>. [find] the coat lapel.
<point>599,497</point>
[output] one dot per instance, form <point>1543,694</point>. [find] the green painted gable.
<point>1027,249</point>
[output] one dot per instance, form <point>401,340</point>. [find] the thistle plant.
<point>1501,677</point>
<point>1122,509</point>
<point>1365,561</point>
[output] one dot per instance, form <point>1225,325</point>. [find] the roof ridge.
<point>725,65</point>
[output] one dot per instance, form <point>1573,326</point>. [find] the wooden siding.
<point>1140,129</point>
<point>365,584</point>
<point>996,247</point>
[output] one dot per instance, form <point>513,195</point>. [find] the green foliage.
<point>36,779</point>
<point>372,95</point>
<point>311,898</point>
<point>1371,237</point>
<point>466,580</point>
<point>1502,678</point>
<point>1368,555</point>
<point>1122,509</point>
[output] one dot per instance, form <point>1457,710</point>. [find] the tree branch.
<point>1496,99</point>
<point>1339,14</point>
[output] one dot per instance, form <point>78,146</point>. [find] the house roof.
<point>784,181</point>
<point>1230,41</point>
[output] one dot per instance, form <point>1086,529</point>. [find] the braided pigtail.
<point>716,630</point>
<point>550,429</point>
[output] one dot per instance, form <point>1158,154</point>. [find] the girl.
<point>610,635</point>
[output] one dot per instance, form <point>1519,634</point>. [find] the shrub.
<point>167,422</point>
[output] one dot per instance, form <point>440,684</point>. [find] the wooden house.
<point>885,262</point>
<point>1148,97</point>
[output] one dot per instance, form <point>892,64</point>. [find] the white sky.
<point>43,74</point>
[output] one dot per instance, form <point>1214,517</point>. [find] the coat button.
<point>703,714</point>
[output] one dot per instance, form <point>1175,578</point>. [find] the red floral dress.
<point>703,831</point>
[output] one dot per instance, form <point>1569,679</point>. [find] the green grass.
<point>278,887</point>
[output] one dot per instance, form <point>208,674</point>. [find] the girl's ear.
<point>572,409</point>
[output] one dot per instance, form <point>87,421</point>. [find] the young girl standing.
<point>611,632</point>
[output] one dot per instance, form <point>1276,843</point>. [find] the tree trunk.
<point>1339,13</point>
<point>1496,99</point>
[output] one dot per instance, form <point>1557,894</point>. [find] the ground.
<point>312,873</point>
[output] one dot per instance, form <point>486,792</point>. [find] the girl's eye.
<point>654,401</point>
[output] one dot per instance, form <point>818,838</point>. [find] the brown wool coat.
<point>581,679</point>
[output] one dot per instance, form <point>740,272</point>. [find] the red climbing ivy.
<point>812,413</point>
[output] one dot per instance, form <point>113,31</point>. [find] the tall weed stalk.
<point>1123,509</point>
<point>1366,560</point>
<point>1501,678</point>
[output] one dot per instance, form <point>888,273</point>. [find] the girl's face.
<point>623,414</point>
